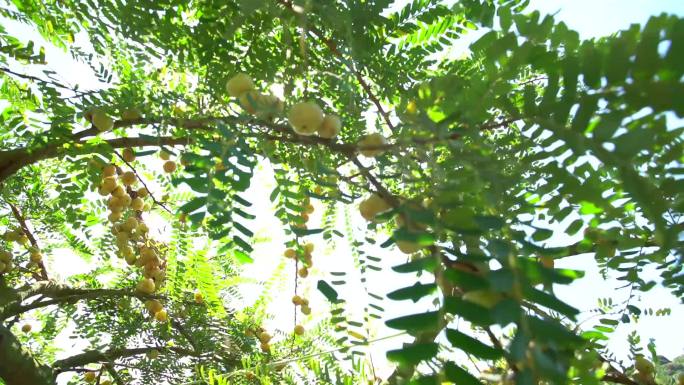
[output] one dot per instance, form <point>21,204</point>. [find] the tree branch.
<point>17,366</point>
<point>22,222</point>
<point>95,356</point>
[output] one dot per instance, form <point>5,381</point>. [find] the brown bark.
<point>17,366</point>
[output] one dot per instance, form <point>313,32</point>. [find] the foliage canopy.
<point>471,164</point>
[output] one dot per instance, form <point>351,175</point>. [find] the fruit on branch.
<point>35,255</point>
<point>89,377</point>
<point>153,306</point>
<point>309,248</point>
<point>109,170</point>
<point>269,107</point>
<point>153,354</point>
<point>131,114</point>
<point>137,204</point>
<point>372,206</point>
<point>297,300</point>
<point>198,297</point>
<point>161,316</point>
<point>164,155</point>
<point>108,184</point>
<point>290,253</point>
<point>370,145</point>
<point>239,84</point>
<point>299,330</point>
<point>26,328</point>
<point>305,118</point>
<point>142,192</point>
<point>484,298</point>
<point>264,337</point>
<point>146,286</point>
<point>305,309</point>
<point>101,120</point>
<point>169,166</point>
<point>128,178</point>
<point>128,155</point>
<point>303,272</point>
<point>330,127</point>
<point>408,247</point>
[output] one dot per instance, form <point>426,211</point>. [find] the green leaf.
<point>328,291</point>
<point>414,293</point>
<point>423,264</point>
<point>458,375</point>
<point>413,354</point>
<point>469,311</point>
<point>471,345</point>
<point>415,322</point>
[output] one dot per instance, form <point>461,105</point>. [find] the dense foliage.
<point>468,164</point>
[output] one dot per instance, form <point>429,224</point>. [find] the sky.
<point>591,19</point>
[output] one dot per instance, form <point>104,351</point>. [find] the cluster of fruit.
<point>6,263</point>
<point>263,337</point>
<point>303,303</point>
<point>264,106</point>
<point>91,377</point>
<point>103,122</point>
<point>126,206</point>
<point>6,259</point>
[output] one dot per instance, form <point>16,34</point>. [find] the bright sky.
<point>591,19</point>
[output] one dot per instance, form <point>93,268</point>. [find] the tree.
<point>468,165</point>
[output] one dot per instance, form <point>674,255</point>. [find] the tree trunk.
<point>17,366</point>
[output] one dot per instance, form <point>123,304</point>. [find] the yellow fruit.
<point>309,209</point>
<point>198,297</point>
<point>483,298</point>
<point>130,259</point>
<point>89,376</point>
<point>102,121</point>
<point>114,216</point>
<point>163,155</point>
<point>239,84</point>
<point>269,107</point>
<point>23,239</point>
<point>411,108</point>
<point>169,166</point>
<point>146,286</point>
<point>309,248</point>
<point>408,247</point>
<point>643,365</point>
<point>368,145</point>
<point>297,300</point>
<point>153,354</point>
<point>290,253</point>
<point>137,204</point>
<point>118,192</point>
<point>142,192</point>
<point>128,155</point>
<point>36,257</point>
<point>5,256</point>
<point>305,118</point>
<point>128,178</point>
<point>330,127</point>
<point>299,330</point>
<point>26,328</point>
<point>265,347</point>
<point>131,114</point>
<point>249,101</point>
<point>264,337</point>
<point>153,306</point>
<point>306,310</point>
<point>109,170</point>
<point>161,316</point>
<point>303,272</point>
<point>372,206</point>
<point>108,184</point>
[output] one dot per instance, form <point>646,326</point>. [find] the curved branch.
<point>95,356</point>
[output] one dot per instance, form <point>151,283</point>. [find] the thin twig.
<point>22,222</point>
<point>142,181</point>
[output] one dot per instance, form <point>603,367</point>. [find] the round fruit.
<point>169,166</point>
<point>137,204</point>
<point>408,247</point>
<point>297,300</point>
<point>109,170</point>
<point>128,155</point>
<point>299,330</point>
<point>118,192</point>
<point>309,208</point>
<point>153,354</point>
<point>305,118</point>
<point>146,286</point>
<point>131,114</point>
<point>108,184</point>
<point>239,84</point>
<point>372,140</point>
<point>26,328</point>
<point>128,178</point>
<point>269,107</point>
<point>483,298</point>
<point>309,248</point>
<point>142,192</point>
<point>330,127</point>
<point>264,337</point>
<point>265,347</point>
<point>303,272</point>
<point>114,216</point>
<point>153,306</point>
<point>306,310</point>
<point>290,253</point>
<point>161,316</point>
<point>372,206</point>
<point>547,262</point>
<point>36,257</point>
<point>102,121</point>
<point>89,376</point>
<point>198,297</point>
<point>163,155</point>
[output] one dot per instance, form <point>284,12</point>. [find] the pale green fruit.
<point>305,118</point>
<point>102,121</point>
<point>330,127</point>
<point>239,84</point>
<point>371,140</point>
